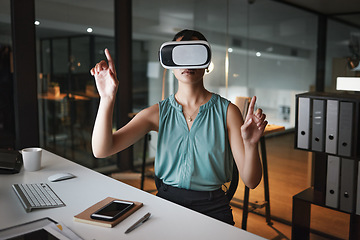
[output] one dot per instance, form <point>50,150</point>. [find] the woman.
<point>198,133</point>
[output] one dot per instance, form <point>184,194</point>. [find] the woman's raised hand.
<point>254,124</point>
<point>105,77</point>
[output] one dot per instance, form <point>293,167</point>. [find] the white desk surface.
<point>168,220</point>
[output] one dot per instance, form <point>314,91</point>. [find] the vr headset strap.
<point>187,36</point>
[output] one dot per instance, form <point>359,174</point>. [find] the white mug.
<point>32,158</point>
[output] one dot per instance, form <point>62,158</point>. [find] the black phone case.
<point>113,218</point>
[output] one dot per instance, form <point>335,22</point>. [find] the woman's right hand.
<point>105,77</point>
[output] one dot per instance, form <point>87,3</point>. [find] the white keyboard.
<point>37,195</point>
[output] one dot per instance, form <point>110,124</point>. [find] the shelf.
<point>327,124</point>
<point>302,215</point>
<point>314,197</point>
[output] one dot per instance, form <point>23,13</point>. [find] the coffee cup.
<point>32,158</point>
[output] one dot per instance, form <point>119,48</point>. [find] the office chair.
<point>243,104</point>
<point>230,191</point>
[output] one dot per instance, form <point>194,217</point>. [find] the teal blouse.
<point>197,159</point>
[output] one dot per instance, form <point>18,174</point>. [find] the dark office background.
<point>275,50</point>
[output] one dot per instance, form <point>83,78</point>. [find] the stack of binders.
<point>325,125</point>
<point>330,124</point>
<point>340,184</point>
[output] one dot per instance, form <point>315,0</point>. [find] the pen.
<point>139,222</point>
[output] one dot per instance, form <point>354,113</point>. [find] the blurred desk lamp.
<point>348,83</point>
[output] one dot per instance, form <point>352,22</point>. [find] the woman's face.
<point>189,75</point>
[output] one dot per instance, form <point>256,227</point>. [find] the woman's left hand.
<point>254,124</point>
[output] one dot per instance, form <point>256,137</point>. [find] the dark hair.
<point>188,34</point>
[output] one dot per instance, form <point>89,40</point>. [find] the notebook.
<point>84,216</point>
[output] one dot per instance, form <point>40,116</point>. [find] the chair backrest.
<point>243,104</point>
<point>230,191</point>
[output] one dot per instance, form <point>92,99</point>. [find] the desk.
<point>50,97</point>
<point>168,220</point>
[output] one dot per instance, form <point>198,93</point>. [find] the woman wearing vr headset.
<point>199,133</point>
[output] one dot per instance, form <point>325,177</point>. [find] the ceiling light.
<point>89,30</point>
<point>37,23</point>
<point>258,54</point>
<point>230,50</point>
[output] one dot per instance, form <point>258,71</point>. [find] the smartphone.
<point>112,211</point>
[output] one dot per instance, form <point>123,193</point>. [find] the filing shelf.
<point>316,195</point>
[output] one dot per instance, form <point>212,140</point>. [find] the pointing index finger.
<point>252,105</point>
<point>110,60</point>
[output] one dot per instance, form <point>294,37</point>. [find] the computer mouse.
<point>60,176</point>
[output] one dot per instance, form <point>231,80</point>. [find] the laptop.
<point>10,161</point>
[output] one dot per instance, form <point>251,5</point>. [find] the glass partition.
<point>68,98</point>
<point>273,56</point>
<point>69,45</point>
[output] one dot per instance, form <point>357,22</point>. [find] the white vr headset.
<point>185,54</point>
